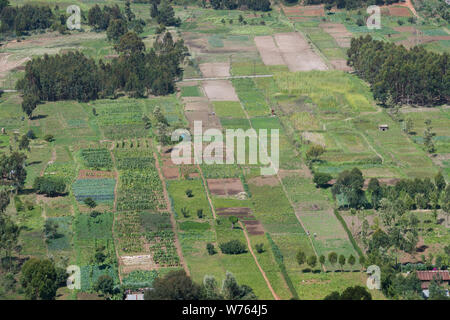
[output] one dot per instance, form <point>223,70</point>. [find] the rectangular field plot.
<point>297,53</point>
<point>251,97</point>
<point>96,158</point>
<point>101,190</point>
<point>189,205</point>
<point>270,53</point>
<point>220,90</point>
<point>225,187</point>
<point>63,238</point>
<point>89,227</point>
<point>161,239</point>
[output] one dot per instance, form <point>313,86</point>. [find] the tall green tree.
<point>39,279</point>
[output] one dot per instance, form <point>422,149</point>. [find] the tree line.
<point>257,5</point>
<point>26,18</point>
<point>398,75</point>
<point>73,76</point>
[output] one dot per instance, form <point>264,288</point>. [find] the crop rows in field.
<point>161,238</point>
<point>134,159</point>
<point>139,185</point>
<point>128,230</point>
<point>97,158</point>
<point>140,278</point>
<point>251,97</point>
<point>101,190</point>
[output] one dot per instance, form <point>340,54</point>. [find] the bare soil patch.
<point>264,181</point>
<point>220,90</point>
<point>225,187</point>
<point>215,69</point>
<point>399,12</point>
<point>297,53</point>
<point>196,104</point>
<point>93,174</point>
<point>7,65</point>
<point>208,119</point>
<point>254,227</point>
<point>339,32</point>
<point>270,54</point>
<point>235,211</point>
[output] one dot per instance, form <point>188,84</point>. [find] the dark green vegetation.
<point>136,71</point>
<point>176,285</point>
<point>257,5</point>
<point>401,76</point>
<point>349,4</point>
<point>25,18</point>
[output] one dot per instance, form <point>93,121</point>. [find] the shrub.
<point>259,247</point>
<point>210,248</point>
<point>200,213</point>
<point>233,247</point>
<point>31,135</point>
<point>90,202</point>
<point>189,193</point>
<point>49,138</point>
<point>321,179</point>
<point>185,212</point>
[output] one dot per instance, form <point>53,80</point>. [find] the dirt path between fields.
<point>249,245</point>
<point>172,217</point>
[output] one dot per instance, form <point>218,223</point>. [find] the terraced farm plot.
<point>101,190</point>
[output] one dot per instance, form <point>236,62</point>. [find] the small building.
<point>383,127</point>
<point>135,296</point>
<point>427,276</point>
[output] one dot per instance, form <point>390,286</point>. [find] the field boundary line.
<point>113,158</point>
<point>228,78</point>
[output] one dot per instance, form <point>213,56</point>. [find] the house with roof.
<point>426,276</point>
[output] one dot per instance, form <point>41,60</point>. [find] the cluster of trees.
<point>41,278</point>
<point>347,4</point>
<point>257,5</point>
<point>163,12</point>
<point>176,285</point>
<point>399,75</point>
<point>113,21</point>
<point>73,76</point>
<point>233,247</point>
<point>50,186</point>
<point>12,169</point>
<point>25,18</point>
<point>410,194</point>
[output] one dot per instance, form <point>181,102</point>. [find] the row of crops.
<point>160,236</point>
<point>97,158</point>
<point>139,185</point>
<point>101,190</point>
